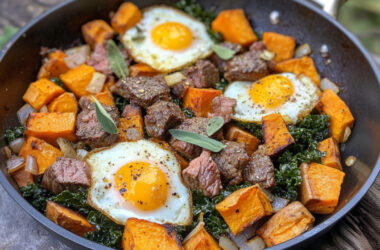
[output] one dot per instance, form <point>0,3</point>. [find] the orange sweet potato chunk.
<point>244,207</point>
<point>182,162</point>
<point>105,97</point>
<point>50,126</point>
<point>199,239</point>
<point>340,115</point>
<point>54,66</point>
<point>304,65</point>
<point>320,187</point>
<point>142,234</point>
<point>331,148</point>
<point>234,27</point>
<point>68,219</point>
<point>200,100</point>
<point>41,92</point>
<point>96,32</point>
<point>131,128</point>
<point>127,16</point>
<point>22,177</point>
<point>78,78</point>
<point>282,45</point>
<point>250,141</point>
<point>141,69</point>
<point>44,153</point>
<point>64,103</point>
<point>276,134</point>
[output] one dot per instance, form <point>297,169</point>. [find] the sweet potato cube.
<point>282,45</point>
<point>96,32</point>
<point>44,153</point>
<point>68,219</point>
<point>234,27</point>
<point>182,161</point>
<point>244,207</point>
<point>127,16</point>
<point>250,141</point>
<point>340,115</point>
<point>41,92</point>
<point>276,134</point>
<point>142,234</point>
<point>320,187</point>
<point>331,148</point>
<point>22,177</point>
<point>304,65</point>
<point>141,69</point>
<point>50,126</point>
<point>64,103</point>
<point>105,97</point>
<point>200,100</point>
<point>78,78</point>
<point>199,238</point>
<point>54,66</point>
<point>131,128</point>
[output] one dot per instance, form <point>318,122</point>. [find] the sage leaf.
<point>223,52</point>
<point>104,119</point>
<point>116,59</point>
<point>214,125</point>
<point>196,139</point>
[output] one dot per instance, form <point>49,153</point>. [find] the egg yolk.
<point>172,36</point>
<point>271,91</point>
<point>142,184</point>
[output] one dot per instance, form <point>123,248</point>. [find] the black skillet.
<point>351,67</point>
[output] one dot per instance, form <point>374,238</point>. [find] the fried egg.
<point>280,93</point>
<point>167,39</point>
<point>140,180</point>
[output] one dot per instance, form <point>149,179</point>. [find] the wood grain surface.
<point>360,229</point>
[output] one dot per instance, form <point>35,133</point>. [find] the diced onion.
<point>268,194</point>
<point>324,50</point>
<point>302,50</point>
<point>15,163</point>
<point>327,84</point>
<point>350,161</point>
<point>44,109</point>
<point>347,133</point>
<point>227,244</point>
<point>67,148</point>
<point>96,84</point>
<point>254,244</point>
<point>279,203</point>
<point>16,145</point>
<point>174,78</point>
<point>31,165</point>
<point>194,231</point>
<point>242,237</point>
<point>7,152</point>
<point>24,112</point>
<point>81,153</point>
<point>77,56</point>
<point>267,55</point>
<point>274,17</point>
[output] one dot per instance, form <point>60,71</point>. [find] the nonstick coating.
<point>351,68</point>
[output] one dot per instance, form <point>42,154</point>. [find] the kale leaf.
<point>74,200</point>
<point>188,113</point>
<point>253,128</point>
<point>222,84</point>
<point>13,134</point>
<point>120,103</point>
<point>57,81</point>
<point>36,195</point>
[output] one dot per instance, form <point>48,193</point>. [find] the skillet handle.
<point>330,6</point>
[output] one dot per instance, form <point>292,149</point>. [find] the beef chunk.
<point>223,107</point>
<point>246,67</point>
<point>66,174</point>
<point>260,169</point>
<point>203,174</point>
<point>257,46</point>
<point>179,89</point>
<point>142,90</point>
<point>219,62</point>
<point>203,75</point>
<point>88,128</point>
<point>131,110</point>
<point>162,116</point>
<point>231,161</point>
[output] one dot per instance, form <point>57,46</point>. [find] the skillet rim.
<point>316,231</point>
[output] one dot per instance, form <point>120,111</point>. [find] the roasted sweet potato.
<point>141,69</point>
<point>340,115</point>
<point>182,161</point>
<point>96,32</point>
<point>289,222</point>
<point>304,65</point>
<point>22,177</point>
<point>41,92</point>
<point>77,79</point>
<point>127,16</point>
<point>68,219</point>
<point>131,128</point>
<point>54,66</point>
<point>244,207</point>
<point>282,45</point>
<point>199,238</point>
<point>276,134</point>
<point>234,133</point>
<point>142,234</point>
<point>200,100</point>
<point>50,126</point>
<point>105,97</point>
<point>331,148</point>
<point>234,27</point>
<point>64,103</point>
<point>44,153</point>
<point>320,188</point>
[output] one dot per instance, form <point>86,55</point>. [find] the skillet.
<point>351,68</point>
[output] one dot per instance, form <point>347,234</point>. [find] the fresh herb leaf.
<point>104,119</point>
<point>120,103</point>
<point>57,81</point>
<point>214,124</point>
<point>188,113</point>
<point>116,59</point>
<point>252,128</point>
<point>8,33</point>
<point>13,134</point>
<point>223,52</point>
<point>196,139</point>
<point>222,84</point>
<point>36,195</point>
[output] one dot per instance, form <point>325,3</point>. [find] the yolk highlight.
<point>142,184</point>
<point>172,36</point>
<point>271,91</point>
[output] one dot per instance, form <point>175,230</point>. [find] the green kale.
<point>57,81</point>
<point>222,84</point>
<point>177,101</point>
<point>188,113</point>
<point>120,103</point>
<point>13,134</point>
<point>36,195</point>
<point>74,200</point>
<point>253,128</point>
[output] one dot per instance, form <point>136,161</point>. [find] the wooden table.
<point>358,230</point>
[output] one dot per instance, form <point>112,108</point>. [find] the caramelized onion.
<point>31,165</point>
<point>67,148</point>
<point>227,244</point>
<point>327,84</point>
<point>302,50</point>
<point>77,56</point>
<point>174,78</point>
<point>254,244</point>
<point>24,112</point>
<point>15,163</point>
<point>16,145</point>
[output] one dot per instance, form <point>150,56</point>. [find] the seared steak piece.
<point>142,90</point>
<point>66,174</point>
<point>162,116</point>
<point>203,174</point>
<point>257,46</point>
<point>219,62</point>
<point>203,75</point>
<point>231,161</point>
<point>88,128</point>
<point>179,89</point>
<point>223,107</point>
<point>246,67</point>
<point>260,169</point>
